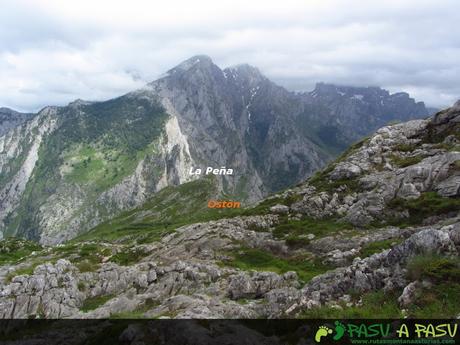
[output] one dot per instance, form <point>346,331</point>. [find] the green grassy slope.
<point>94,147</point>
<point>164,212</point>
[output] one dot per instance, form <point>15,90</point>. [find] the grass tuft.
<point>435,268</point>
<point>13,250</point>
<point>403,162</point>
<point>128,257</point>
<point>427,205</point>
<point>293,231</point>
<point>374,305</point>
<point>256,259</point>
<point>94,302</point>
<point>378,246</point>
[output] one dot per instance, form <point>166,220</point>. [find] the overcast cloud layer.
<point>54,51</point>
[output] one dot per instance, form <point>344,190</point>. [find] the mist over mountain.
<point>69,168</point>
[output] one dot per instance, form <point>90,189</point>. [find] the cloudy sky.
<point>52,51</point>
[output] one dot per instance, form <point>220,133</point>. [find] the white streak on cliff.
<point>34,132</point>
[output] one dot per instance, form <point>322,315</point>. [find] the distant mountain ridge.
<point>10,119</point>
<point>354,112</point>
<point>69,168</point>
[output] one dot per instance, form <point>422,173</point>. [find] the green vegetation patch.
<point>321,178</point>
<point>378,246</point>
<point>438,269</point>
<point>326,185</point>
<point>260,260</point>
<point>86,266</point>
<point>452,147</point>
<point>95,146</point>
<point>440,299</point>
<point>99,165</point>
<point>437,133</point>
<point>321,181</point>
<point>437,300</point>
<point>405,147</point>
<point>95,302</point>
<point>81,286</point>
<point>294,231</point>
<point>456,165</point>
<point>403,162</point>
<point>427,205</point>
<point>87,257</point>
<point>375,304</point>
<point>128,257</point>
<point>63,250</point>
<point>13,250</point>
<point>139,312</point>
<point>170,208</point>
<point>26,270</point>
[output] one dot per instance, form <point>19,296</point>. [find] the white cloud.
<point>52,51</point>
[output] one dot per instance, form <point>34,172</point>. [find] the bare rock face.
<point>353,112</point>
<point>238,116</point>
<point>257,285</point>
<point>279,209</point>
<point>50,292</point>
<point>10,119</point>
<point>408,294</point>
<point>450,187</point>
<point>25,142</point>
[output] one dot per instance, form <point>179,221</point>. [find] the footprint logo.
<point>339,330</point>
<point>322,332</point>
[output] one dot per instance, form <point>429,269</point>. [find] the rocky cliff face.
<point>354,112</point>
<point>238,118</point>
<point>373,233</point>
<point>20,153</point>
<point>71,168</point>
<point>10,119</point>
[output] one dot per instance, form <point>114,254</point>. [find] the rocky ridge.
<point>10,119</point>
<point>249,267</point>
<point>352,111</point>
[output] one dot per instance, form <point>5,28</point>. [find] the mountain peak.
<point>244,73</point>
<point>78,102</point>
<point>202,61</point>
<point>7,110</point>
<point>328,88</point>
<point>456,105</point>
<point>244,67</point>
<point>10,118</point>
